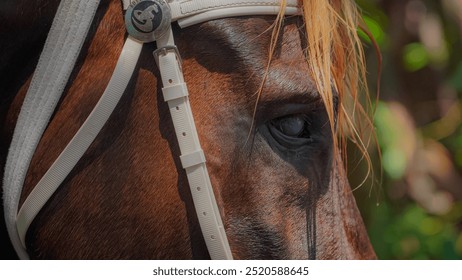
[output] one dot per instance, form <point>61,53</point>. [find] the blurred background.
<point>415,211</point>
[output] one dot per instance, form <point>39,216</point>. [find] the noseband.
<point>146,21</point>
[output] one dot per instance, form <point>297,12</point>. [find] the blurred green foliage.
<point>389,134</point>
<point>415,211</point>
<point>415,57</point>
<point>412,233</point>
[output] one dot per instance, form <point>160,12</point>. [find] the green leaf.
<point>415,57</point>
<point>375,29</point>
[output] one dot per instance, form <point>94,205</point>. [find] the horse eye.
<point>292,126</point>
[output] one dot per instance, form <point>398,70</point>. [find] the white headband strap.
<point>190,12</point>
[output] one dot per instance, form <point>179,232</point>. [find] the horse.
<point>268,122</point>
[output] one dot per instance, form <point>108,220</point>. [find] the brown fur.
<point>128,198</point>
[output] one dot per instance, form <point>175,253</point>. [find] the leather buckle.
<point>164,51</point>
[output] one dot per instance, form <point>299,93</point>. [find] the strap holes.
<point>184,133</point>
<point>177,108</point>
<point>170,81</point>
<point>199,189</point>
<point>213,237</point>
<point>204,213</point>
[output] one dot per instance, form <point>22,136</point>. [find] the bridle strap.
<point>190,9</point>
<point>79,144</point>
<point>192,157</point>
<point>69,29</point>
<point>176,94</point>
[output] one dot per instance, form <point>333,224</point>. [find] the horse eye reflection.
<point>293,126</point>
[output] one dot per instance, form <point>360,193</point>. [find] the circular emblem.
<point>148,20</point>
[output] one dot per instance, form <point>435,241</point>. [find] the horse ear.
<point>156,8</point>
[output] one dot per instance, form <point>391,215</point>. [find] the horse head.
<point>268,134</point>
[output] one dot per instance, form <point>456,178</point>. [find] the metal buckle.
<point>164,51</point>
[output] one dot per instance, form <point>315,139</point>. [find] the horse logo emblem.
<point>147,20</point>
<point>146,16</point>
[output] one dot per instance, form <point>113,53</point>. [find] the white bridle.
<point>175,92</point>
